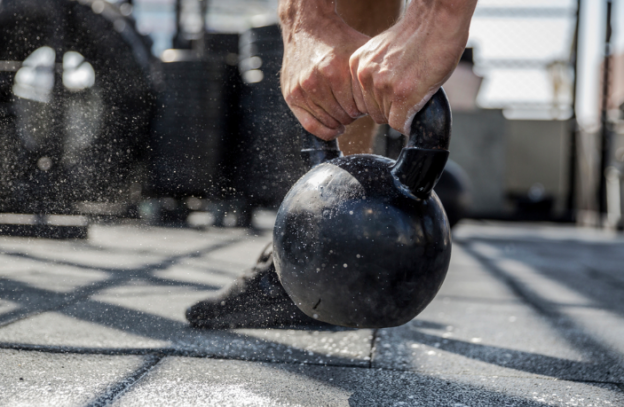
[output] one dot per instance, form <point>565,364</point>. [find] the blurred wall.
<point>511,159</point>
<point>478,145</point>
<point>537,157</point>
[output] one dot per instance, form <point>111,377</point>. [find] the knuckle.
<point>403,91</point>
<point>290,98</point>
<point>364,72</point>
<point>327,69</point>
<point>294,95</point>
<point>310,124</point>
<point>401,94</point>
<point>333,73</point>
<point>353,66</point>
<point>309,83</point>
<point>354,59</point>
<point>383,83</point>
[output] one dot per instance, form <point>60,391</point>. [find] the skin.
<point>370,17</point>
<point>400,69</point>
<point>332,73</point>
<point>315,79</point>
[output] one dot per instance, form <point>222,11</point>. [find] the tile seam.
<point>86,292</point>
<point>121,388</point>
<point>170,352</point>
<point>372,350</point>
<point>538,304</point>
<point>161,354</point>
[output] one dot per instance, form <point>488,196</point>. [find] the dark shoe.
<point>255,300</point>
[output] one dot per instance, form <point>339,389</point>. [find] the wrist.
<point>298,15</point>
<point>448,20</point>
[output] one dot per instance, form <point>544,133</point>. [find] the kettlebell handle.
<point>421,161</point>
<point>316,151</point>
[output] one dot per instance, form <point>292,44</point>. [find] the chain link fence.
<point>524,52</point>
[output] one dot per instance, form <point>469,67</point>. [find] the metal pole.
<point>201,43</point>
<point>573,155</point>
<point>178,24</point>
<point>605,136</point>
<point>178,16</point>
<point>204,11</point>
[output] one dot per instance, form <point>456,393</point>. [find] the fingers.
<point>316,96</point>
<point>345,101</point>
<point>314,126</point>
<point>359,97</point>
<point>386,96</point>
<point>372,106</point>
<point>402,113</point>
<point>313,116</point>
<point>362,77</point>
<point>400,118</point>
<point>314,102</point>
<point>340,98</point>
<point>356,87</point>
<point>321,115</point>
<point>327,110</point>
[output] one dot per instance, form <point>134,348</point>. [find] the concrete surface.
<point>41,378</point>
<point>185,381</point>
<point>529,315</point>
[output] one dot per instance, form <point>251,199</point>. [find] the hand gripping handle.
<point>316,151</point>
<point>420,163</point>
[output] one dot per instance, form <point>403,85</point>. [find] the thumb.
<point>402,114</point>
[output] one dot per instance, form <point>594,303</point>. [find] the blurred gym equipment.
<point>76,99</point>
<point>268,161</point>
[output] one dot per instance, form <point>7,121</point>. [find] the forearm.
<point>369,17</point>
<point>447,20</point>
<point>296,15</point>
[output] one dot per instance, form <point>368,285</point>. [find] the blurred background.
<point>169,111</point>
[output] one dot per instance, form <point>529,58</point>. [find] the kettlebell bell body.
<point>363,241</point>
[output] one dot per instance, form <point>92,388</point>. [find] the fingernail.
<point>341,129</point>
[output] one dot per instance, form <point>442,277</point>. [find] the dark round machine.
<point>363,241</point>
<point>196,119</point>
<point>76,98</point>
<point>453,189</point>
<point>269,161</point>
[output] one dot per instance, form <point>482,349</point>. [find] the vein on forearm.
<point>293,14</point>
<point>451,18</point>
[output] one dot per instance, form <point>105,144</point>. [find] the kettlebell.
<point>363,241</point>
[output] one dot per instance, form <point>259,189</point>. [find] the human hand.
<point>315,76</point>
<point>396,73</point>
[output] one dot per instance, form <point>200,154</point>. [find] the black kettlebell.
<point>363,241</point>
